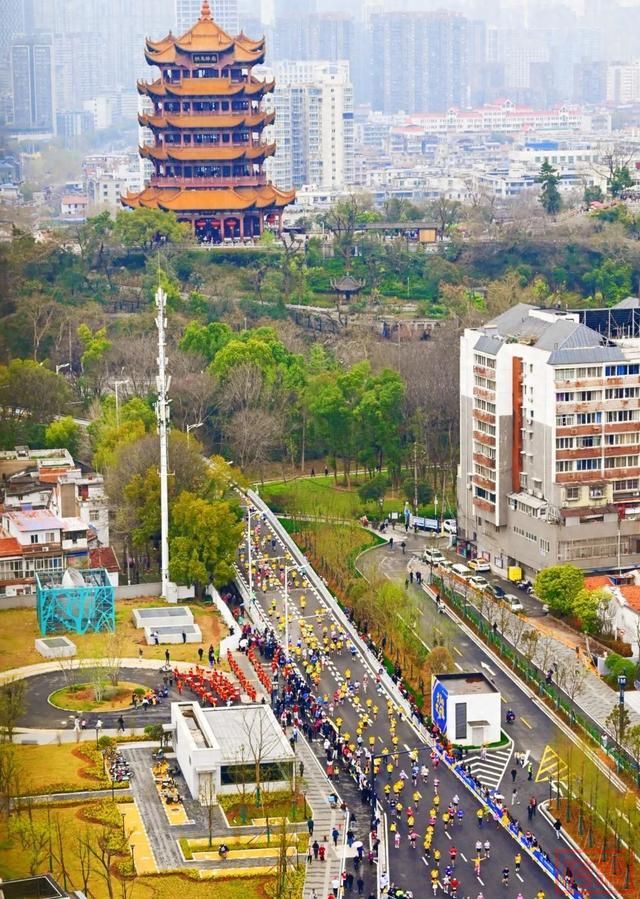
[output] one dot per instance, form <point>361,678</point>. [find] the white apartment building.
<point>314,124</point>
<point>108,175</point>
<point>623,82</point>
<point>550,438</point>
<point>506,117</point>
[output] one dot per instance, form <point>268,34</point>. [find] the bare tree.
<point>252,434</point>
<point>113,649</point>
<point>40,312</point>
<point>12,707</point>
<point>11,774</point>
<point>34,836</point>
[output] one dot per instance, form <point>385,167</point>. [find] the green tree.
<point>592,194</point>
<point>64,433</point>
<point>617,722</point>
<point>611,280</point>
<point>206,340</point>
<point>374,489</point>
<point>109,436</point>
<point>204,539</point>
<point>145,227</point>
<point>549,180</point>
<point>30,396</point>
<point>343,220</point>
<point>558,586</point>
<point>590,607</point>
<point>619,180</point>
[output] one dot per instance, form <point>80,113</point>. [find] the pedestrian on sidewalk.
<point>557,826</point>
<point>514,797</point>
<point>309,854</point>
<point>360,886</point>
<point>200,654</point>
<point>316,849</point>
<point>335,886</point>
<point>120,724</point>
<point>310,825</point>
<point>530,771</point>
<point>322,852</point>
<point>514,774</point>
<point>335,833</point>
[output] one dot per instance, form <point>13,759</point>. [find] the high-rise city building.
<point>314,124</point>
<point>224,12</point>
<point>550,438</point>
<point>32,84</point>
<point>206,119</point>
<point>421,61</point>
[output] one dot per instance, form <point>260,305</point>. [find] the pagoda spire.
<point>205,12</point>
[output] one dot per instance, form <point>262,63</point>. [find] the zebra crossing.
<point>491,769</point>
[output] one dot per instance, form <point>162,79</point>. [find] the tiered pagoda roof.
<point>173,199</point>
<point>205,87</point>
<point>207,122</point>
<point>160,122</point>
<point>205,37</point>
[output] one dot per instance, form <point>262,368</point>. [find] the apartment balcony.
<point>484,372</point>
<point>580,430</point>
<point>484,504</point>
<point>583,452</point>
<point>32,550</point>
<point>487,439</point>
<point>484,460</point>
<point>479,481</point>
<point>598,474</point>
<point>484,394</point>
<point>487,417</point>
<point>586,383</point>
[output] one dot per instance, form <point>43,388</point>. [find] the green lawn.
<point>319,497</point>
<point>16,861</point>
<point>19,631</point>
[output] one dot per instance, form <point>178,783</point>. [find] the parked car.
<point>432,556</point>
<point>479,583</point>
<point>479,565</point>
<point>450,526</point>
<point>496,590</point>
<point>514,604</point>
<point>445,566</point>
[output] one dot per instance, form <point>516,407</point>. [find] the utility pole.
<point>415,478</point>
<point>163,383</point>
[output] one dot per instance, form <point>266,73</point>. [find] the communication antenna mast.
<point>163,383</point>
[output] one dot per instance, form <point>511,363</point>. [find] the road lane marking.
<point>458,651</point>
<point>458,666</point>
<point>519,878</point>
<point>462,855</point>
<point>526,723</point>
<point>490,670</point>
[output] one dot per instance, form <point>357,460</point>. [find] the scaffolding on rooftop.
<point>75,601</point>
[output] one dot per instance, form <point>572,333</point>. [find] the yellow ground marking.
<point>552,767</point>
<point>143,858</point>
<point>526,723</point>
<point>458,651</point>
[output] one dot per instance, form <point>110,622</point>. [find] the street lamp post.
<point>622,683</point>
<point>117,385</point>
<point>190,428</point>
<point>249,559</point>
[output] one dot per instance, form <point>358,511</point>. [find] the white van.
<point>434,556</point>
<point>461,570</point>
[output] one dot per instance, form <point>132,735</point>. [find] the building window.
<point>564,397</point>
<point>588,464</point>
<point>94,515</point>
<point>564,443</point>
<point>564,465</point>
<point>589,418</point>
<point>545,546</point>
<point>619,371</point>
<point>571,494</point>
<point>33,538</point>
<point>564,421</point>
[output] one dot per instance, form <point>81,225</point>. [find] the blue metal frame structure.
<point>74,608</point>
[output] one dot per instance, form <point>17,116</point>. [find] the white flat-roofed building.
<point>219,749</point>
<point>466,707</point>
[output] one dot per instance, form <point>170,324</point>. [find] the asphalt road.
<point>408,869</point>
<point>533,731</point>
